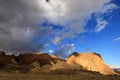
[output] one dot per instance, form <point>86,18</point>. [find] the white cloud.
<point>64,50</point>
<point>62,11</point>
<point>114,66</point>
<point>105,10</point>
<point>108,8</point>
<point>57,40</point>
<point>75,14</point>
<point>51,51</point>
<point>101,24</point>
<point>117,39</point>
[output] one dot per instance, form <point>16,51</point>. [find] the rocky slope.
<point>90,61</point>
<point>45,63</point>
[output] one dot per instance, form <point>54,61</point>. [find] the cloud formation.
<point>117,39</point>
<point>115,66</point>
<point>64,50</point>
<point>28,25</point>
<point>101,24</point>
<point>106,10</point>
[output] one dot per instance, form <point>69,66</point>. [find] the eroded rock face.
<point>2,53</point>
<point>65,66</point>
<point>6,59</point>
<point>34,62</point>
<point>42,58</point>
<point>90,61</point>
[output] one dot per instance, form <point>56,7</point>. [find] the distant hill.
<point>117,70</point>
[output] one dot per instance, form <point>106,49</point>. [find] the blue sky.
<point>61,27</point>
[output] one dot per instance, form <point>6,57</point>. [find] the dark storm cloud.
<point>18,24</point>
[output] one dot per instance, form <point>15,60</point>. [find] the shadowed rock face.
<point>75,54</point>
<point>27,62</point>
<point>91,61</point>
<point>2,53</point>
<point>27,59</point>
<point>6,59</point>
<point>43,59</point>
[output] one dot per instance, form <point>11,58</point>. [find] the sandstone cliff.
<point>90,61</point>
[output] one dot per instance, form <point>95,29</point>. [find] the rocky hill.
<point>90,61</point>
<point>45,63</point>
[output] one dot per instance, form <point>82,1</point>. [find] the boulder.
<point>90,61</point>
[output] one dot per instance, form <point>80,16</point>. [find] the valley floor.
<point>82,76</point>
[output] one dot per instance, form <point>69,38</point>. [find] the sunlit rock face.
<point>90,61</point>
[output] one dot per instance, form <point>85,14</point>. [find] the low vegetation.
<point>57,76</point>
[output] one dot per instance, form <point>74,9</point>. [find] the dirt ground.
<point>82,76</point>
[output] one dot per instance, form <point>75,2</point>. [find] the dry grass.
<point>57,76</point>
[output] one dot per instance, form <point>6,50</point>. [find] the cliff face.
<point>6,59</point>
<point>90,61</point>
<point>34,62</point>
<point>28,58</point>
<point>42,58</point>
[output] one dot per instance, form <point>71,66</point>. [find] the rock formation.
<point>90,61</point>
<point>42,58</point>
<point>65,66</point>
<point>6,59</point>
<point>38,62</point>
<point>27,62</point>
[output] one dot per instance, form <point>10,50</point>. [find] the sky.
<point>61,27</point>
